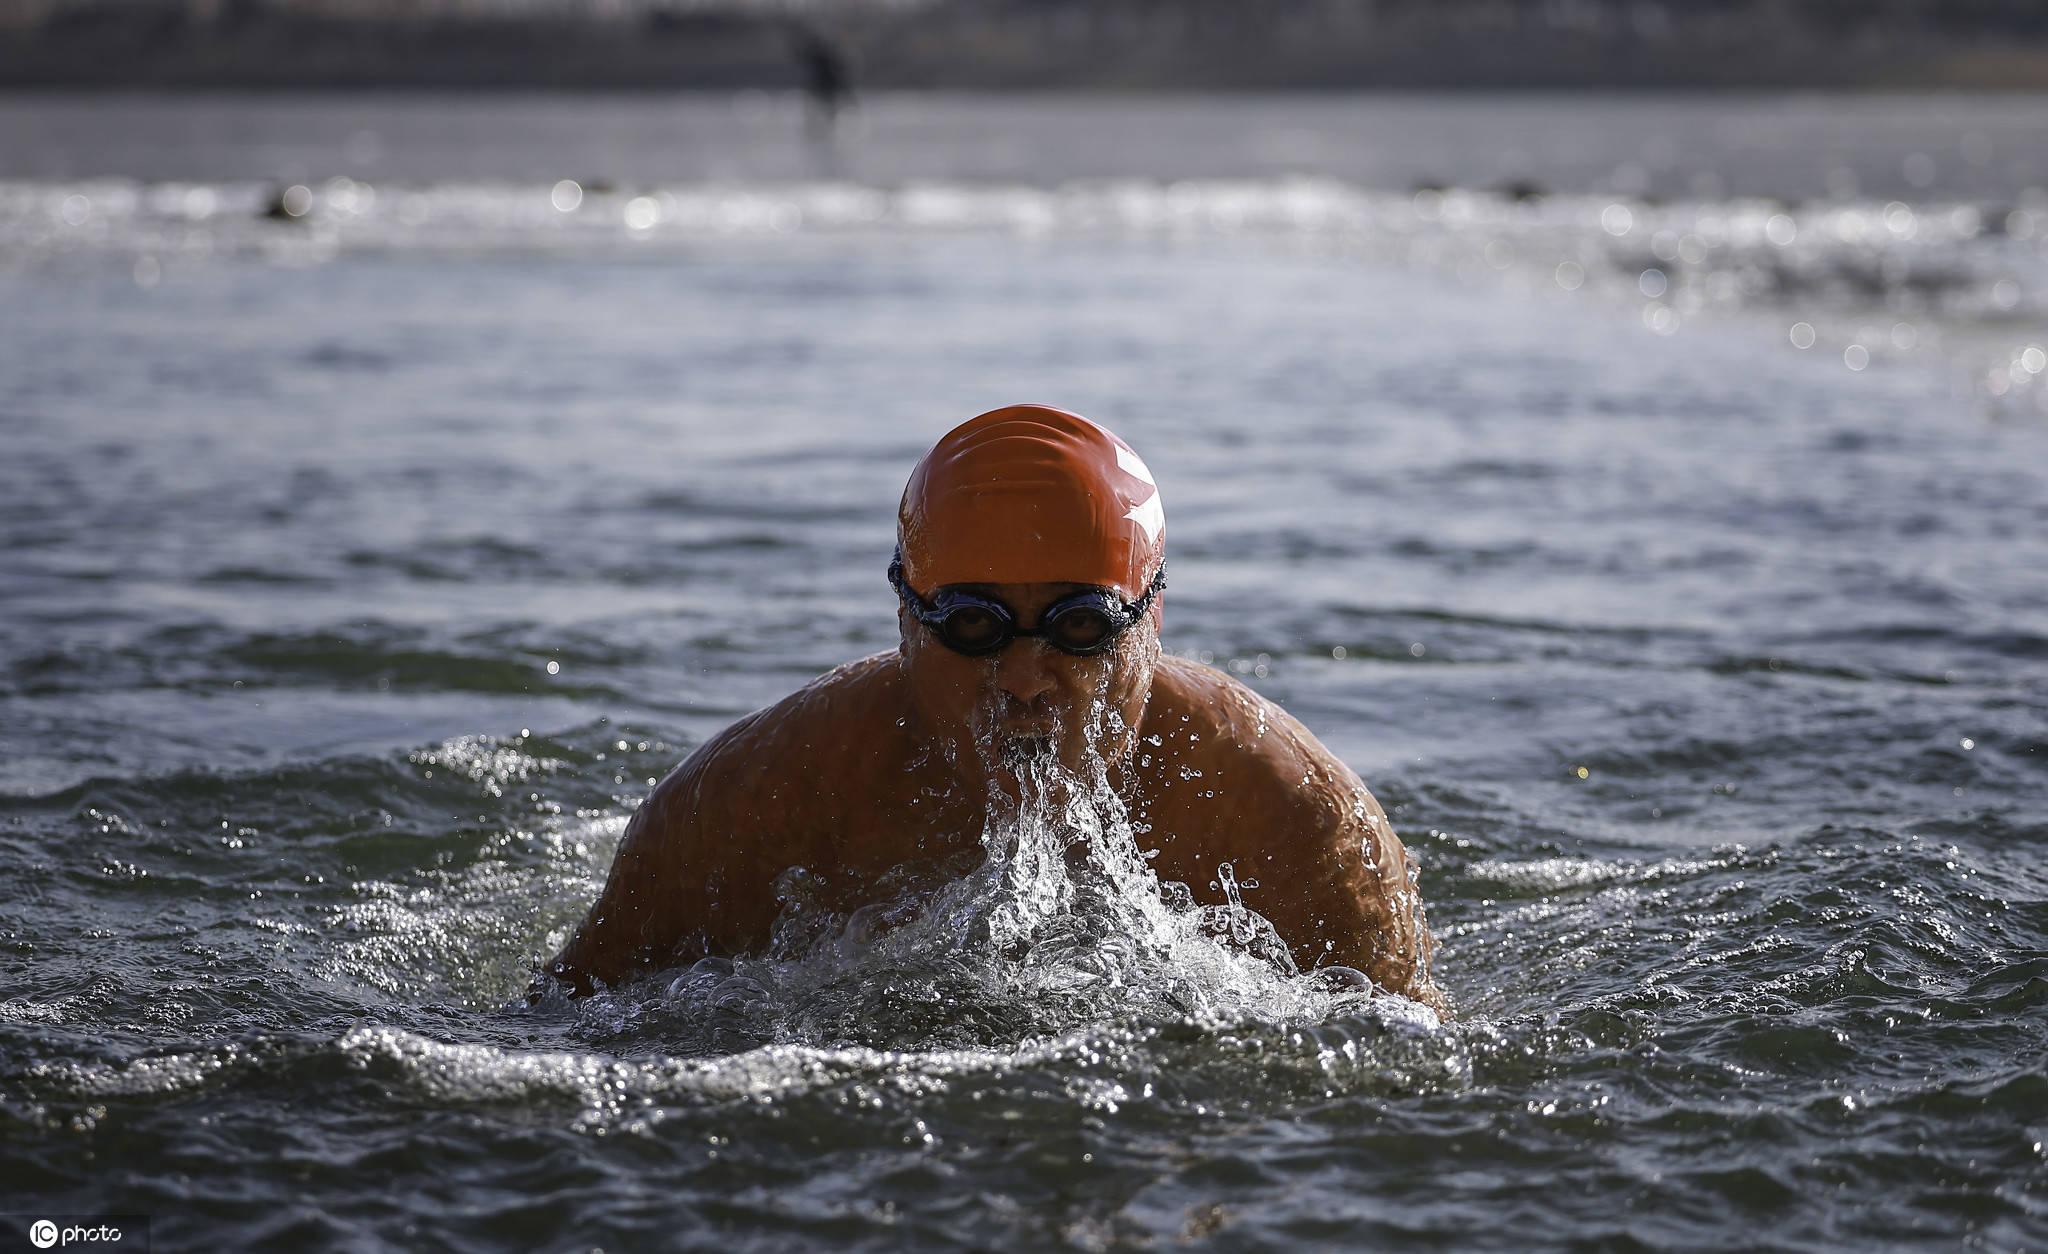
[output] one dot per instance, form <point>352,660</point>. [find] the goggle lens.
<point>972,629</point>
<point>1081,629</point>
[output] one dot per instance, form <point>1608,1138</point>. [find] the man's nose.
<point>1024,670</point>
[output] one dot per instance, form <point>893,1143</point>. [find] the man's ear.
<point>905,625</point>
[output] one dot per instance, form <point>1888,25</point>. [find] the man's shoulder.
<point>1194,699</point>
<point>838,705</point>
<point>850,712</point>
<point>1243,741</point>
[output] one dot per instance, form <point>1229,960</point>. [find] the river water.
<point>1664,539</point>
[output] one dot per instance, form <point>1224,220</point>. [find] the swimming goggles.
<point>1084,624</point>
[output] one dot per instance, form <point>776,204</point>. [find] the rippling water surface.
<point>362,568</point>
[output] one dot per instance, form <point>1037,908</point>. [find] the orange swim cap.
<point>1031,494</point>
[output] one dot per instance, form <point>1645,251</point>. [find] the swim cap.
<point>1031,494</point>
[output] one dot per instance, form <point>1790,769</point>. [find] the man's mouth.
<point>1019,747</point>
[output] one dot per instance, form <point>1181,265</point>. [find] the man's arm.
<point>697,869</point>
<point>634,924</point>
<point>1331,875</point>
<point>1374,916</point>
<point>688,879</point>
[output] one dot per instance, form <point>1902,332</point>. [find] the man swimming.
<point>1030,567</point>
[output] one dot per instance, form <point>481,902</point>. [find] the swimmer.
<point>1029,572</point>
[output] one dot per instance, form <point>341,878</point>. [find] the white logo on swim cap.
<point>1133,465</point>
<point>1149,514</point>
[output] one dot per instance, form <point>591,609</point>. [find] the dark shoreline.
<point>1009,44</point>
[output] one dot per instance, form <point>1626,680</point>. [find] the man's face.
<point>985,712</point>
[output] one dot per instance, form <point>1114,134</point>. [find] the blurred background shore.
<point>1132,44</point>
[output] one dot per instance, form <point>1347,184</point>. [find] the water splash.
<point>1055,924</point>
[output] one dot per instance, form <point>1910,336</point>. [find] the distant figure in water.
<point>828,87</point>
<point>1030,569</point>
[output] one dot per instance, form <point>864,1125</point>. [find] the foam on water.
<point>1550,875</point>
<point>1100,1068</point>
